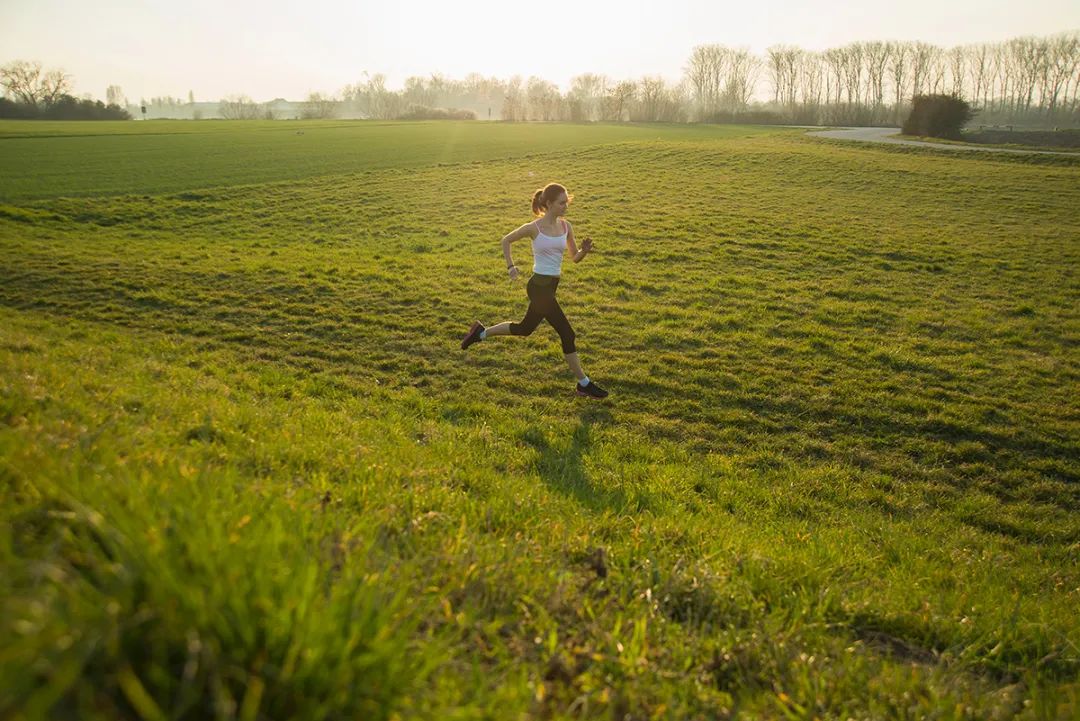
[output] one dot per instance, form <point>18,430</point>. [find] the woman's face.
<point>558,206</point>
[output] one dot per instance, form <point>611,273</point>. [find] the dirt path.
<point>881,135</point>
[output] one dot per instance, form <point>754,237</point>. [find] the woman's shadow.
<point>563,468</point>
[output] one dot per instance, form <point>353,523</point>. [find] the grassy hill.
<point>247,473</point>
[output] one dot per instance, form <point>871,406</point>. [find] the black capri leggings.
<point>543,306</point>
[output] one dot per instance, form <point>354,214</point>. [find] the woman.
<point>551,236</point>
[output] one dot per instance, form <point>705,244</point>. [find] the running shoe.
<point>473,335</point>
<point>591,390</point>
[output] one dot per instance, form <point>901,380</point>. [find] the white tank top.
<point>548,251</point>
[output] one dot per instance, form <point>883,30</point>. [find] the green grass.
<point>168,156</point>
<point>247,473</point>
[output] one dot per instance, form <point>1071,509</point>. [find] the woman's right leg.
<point>533,316</point>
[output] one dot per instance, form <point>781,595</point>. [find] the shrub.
<point>938,116</point>
<point>64,107</point>
<point>422,112</point>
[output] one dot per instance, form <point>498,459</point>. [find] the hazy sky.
<point>287,48</point>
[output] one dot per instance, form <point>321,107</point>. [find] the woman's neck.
<point>550,220</point>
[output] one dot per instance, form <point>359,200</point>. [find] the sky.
<point>267,49</point>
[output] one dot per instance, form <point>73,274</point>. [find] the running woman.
<point>551,236</point>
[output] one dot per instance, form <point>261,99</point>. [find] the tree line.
<point>1023,81</point>
<point>31,93</point>
<point>1026,80</point>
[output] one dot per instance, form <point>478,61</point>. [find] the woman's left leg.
<point>562,326</point>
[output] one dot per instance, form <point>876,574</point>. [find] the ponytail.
<point>545,195</point>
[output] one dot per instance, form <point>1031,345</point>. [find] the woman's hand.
<point>513,271</point>
<point>586,245</point>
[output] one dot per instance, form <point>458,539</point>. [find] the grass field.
<point>247,473</point>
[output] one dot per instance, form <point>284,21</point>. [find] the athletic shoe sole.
<point>583,394</point>
<point>473,329</point>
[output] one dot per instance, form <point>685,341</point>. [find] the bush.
<point>422,112</point>
<point>938,116</point>
<point>65,107</point>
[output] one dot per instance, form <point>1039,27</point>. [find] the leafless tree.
<point>706,70</point>
<point>650,99</point>
<point>543,99</point>
<point>620,97</point>
<point>851,67</point>
<point>937,70</point>
<point>320,107</point>
<point>1062,63</point>
<point>743,69</point>
<point>239,107</point>
<point>978,68</point>
<point>586,93</point>
<point>114,95</point>
<point>1026,55</point>
<point>375,99</point>
<point>811,79</point>
<point>26,83</point>
<point>922,58</point>
<point>876,56</point>
<point>833,60</point>
<point>899,72</point>
<point>784,62</point>
<point>417,92</point>
<point>514,105</point>
<point>958,62</point>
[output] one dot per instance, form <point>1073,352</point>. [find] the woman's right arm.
<point>518,234</point>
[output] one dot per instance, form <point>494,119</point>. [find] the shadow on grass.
<point>562,466</point>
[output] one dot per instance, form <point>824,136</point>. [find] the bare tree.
<point>1026,55</point>
<point>958,62</point>
<point>876,56</point>
<point>922,57</point>
<point>26,83</point>
<point>743,69</point>
<point>418,91</point>
<point>937,70</point>
<point>624,93</point>
<point>587,92</point>
<point>834,74</point>
<point>706,70</point>
<point>851,66</point>
<point>783,63</point>
<point>114,95</point>
<point>899,71</point>
<point>375,99</point>
<point>650,96</point>
<point>978,68</point>
<point>543,99</point>
<point>320,107</point>
<point>239,107</point>
<point>514,105</point>
<point>1062,62</point>
<point>1003,76</point>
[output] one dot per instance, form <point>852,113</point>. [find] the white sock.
<point>483,334</point>
<point>584,381</point>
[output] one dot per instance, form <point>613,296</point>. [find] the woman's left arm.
<point>586,245</point>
